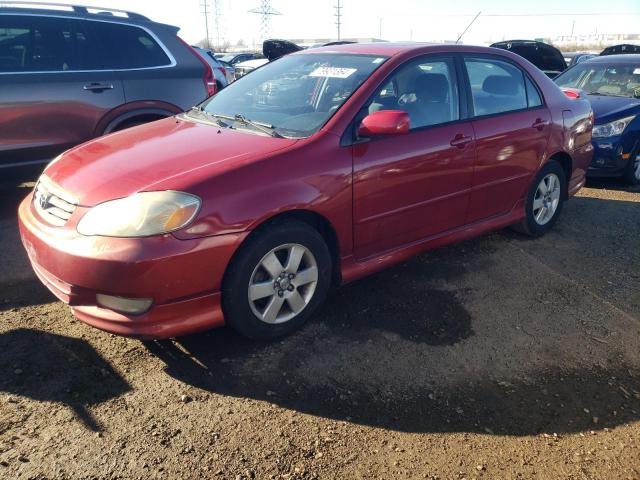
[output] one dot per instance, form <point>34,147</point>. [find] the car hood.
<point>607,108</point>
<point>544,56</point>
<point>169,154</point>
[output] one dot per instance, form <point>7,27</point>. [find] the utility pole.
<point>266,12</point>
<point>573,26</point>
<point>216,20</point>
<point>380,30</point>
<point>205,11</point>
<point>338,16</point>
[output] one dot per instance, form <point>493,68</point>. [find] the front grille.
<point>52,203</point>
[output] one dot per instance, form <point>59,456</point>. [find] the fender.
<point>124,112</point>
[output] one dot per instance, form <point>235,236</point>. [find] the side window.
<point>127,46</point>
<point>496,86</point>
<point>533,96</point>
<point>40,44</point>
<point>426,89</point>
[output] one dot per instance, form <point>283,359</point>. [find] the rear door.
<point>512,127</point>
<point>53,87</point>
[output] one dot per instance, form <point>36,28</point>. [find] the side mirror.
<point>384,122</point>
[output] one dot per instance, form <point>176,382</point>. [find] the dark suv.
<point>73,73</point>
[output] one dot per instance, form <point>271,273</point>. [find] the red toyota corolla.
<point>314,170</point>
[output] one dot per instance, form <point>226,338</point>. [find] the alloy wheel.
<point>283,283</point>
<point>546,199</point>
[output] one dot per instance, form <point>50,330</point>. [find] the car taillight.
<point>572,93</point>
<point>209,79</point>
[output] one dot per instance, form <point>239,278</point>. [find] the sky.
<point>396,20</point>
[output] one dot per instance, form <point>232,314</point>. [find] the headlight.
<point>612,129</point>
<point>140,215</point>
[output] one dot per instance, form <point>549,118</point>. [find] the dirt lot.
<point>500,357</point>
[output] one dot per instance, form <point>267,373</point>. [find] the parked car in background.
<point>612,85</point>
<point>247,209</point>
<point>621,49</point>
<point>229,69</point>
<point>544,56</point>
<point>234,58</point>
<point>219,71</point>
<point>71,73</point>
<point>243,68</point>
<point>573,58</point>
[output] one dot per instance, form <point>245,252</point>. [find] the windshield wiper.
<point>606,94</point>
<point>203,112</point>
<point>263,127</point>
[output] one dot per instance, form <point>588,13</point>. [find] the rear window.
<point>39,44</point>
<point>128,47</point>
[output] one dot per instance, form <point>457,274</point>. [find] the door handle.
<point>539,123</point>
<point>98,87</point>
<point>460,141</point>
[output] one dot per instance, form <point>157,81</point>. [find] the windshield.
<point>296,94</point>
<point>226,58</point>
<point>620,80</point>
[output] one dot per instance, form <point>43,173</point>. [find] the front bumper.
<point>183,277</point>
<point>612,155</point>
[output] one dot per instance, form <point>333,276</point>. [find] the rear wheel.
<point>631,175</point>
<point>276,281</point>
<point>544,200</point>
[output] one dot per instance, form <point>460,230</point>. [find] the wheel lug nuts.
<point>290,288</point>
<point>280,293</point>
<point>291,276</point>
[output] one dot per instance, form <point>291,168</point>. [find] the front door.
<point>410,187</point>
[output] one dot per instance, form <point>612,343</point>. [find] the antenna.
<point>338,16</point>
<point>266,12</point>
<point>205,11</point>
<point>468,26</point>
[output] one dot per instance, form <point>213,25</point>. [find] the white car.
<point>243,68</point>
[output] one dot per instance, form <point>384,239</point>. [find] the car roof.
<point>390,49</point>
<point>623,58</point>
<point>47,9</point>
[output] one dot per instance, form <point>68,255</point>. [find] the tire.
<point>536,221</point>
<point>292,300</point>
<point>631,175</point>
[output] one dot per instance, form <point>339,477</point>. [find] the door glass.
<point>496,86</point>
<point>40,44</point>
<point>425,89</point>
<point>129,47</point>
<point>533,96</point>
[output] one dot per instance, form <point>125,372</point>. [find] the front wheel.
<point>276,281</point>
<point>544,200</point>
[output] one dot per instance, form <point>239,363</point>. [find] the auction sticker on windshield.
<point>333,72</point>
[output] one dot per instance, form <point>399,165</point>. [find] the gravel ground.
<point>501,357</point>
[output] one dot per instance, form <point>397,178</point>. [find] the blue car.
<point>612,84</point>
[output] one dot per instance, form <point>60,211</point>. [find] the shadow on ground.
<point>403,305</point>
<point>47,367</point>
<point>24,293</point>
